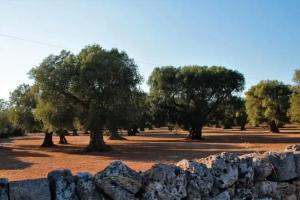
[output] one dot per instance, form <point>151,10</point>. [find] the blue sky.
<point>261,39</point>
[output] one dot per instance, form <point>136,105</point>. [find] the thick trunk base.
<point>96,143</point>
<point>195,134</point>
<point>62,140</point>
<point>242,128</point>
<point>273,127</point>
<point>48,142</point>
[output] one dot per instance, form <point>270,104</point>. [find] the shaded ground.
<point>22,158</point>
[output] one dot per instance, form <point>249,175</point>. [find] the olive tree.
<point>268,102</point>
<point>107,80</point>
<point>94,81</point>
<point>191,95</point>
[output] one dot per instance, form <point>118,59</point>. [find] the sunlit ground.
<point>22,157</point>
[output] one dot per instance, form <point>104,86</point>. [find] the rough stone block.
<point>224,168</point>
<point>200,180</point>
<point>283,164</point>
<point>164,181</point>
<point>118,181</point>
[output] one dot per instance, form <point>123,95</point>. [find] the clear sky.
<point>261,39</point>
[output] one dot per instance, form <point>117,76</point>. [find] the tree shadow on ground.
<point>150,151</point>
<point>10,159</point>
<point>164,152</point>
<point>10,156</point>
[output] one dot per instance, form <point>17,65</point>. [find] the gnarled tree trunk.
<point>273,127</point>
<point>96,142</point>
<point>196,133</point>
<point>243,127</point>
<point>62,140</point>
<point>62,137</point>
<point>48,142</point>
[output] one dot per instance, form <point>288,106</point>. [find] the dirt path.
<point>22,158</point>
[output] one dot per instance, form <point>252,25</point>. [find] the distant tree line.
<point>99,89</point>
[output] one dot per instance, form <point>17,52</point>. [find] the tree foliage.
<point>129,113</point>
<point>5,124</point>
<point>294,111</point>
<point>22,104</point>
<point>241,117</point>
<point>268,102</point>
<point>231,113</point>
<point>190,95</point>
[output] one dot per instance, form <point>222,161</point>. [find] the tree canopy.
<point>190,95</point>
<point>268,102</point>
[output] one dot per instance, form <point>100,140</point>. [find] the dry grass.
<point>22,157</point>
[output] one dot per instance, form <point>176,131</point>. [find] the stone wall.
<point>272,175</point>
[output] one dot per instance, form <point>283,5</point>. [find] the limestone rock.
<point>291,197</point>
<point>224,168</point>
<point>286,190</point>
<point>200,180</point>
<point>4,189</point>
<point>294,147</point>
<point>265,198</point>
<point>231,190</point>
<point>164,181</point>
<point>244,194</point>
<point>62,185</point>
<point>246,171</point>
<point>297,162</point>
<point>118,181</point>
<point>222,196</point>
<point>86,188</point>
<point>262,167</point>
<point>284,166</point>
<point>29,189</point>
<point>267,189</point>
<point>296,183</point>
